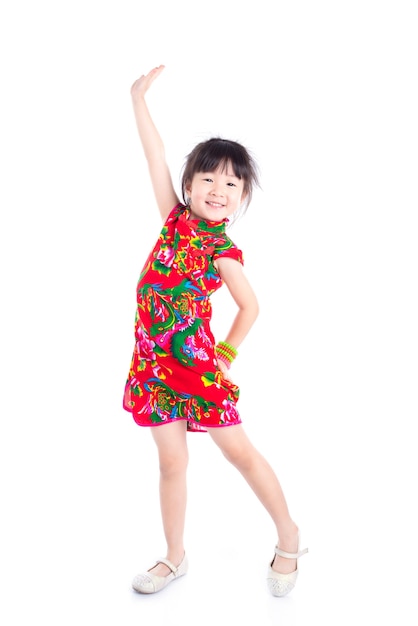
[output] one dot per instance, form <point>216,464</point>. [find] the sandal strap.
<point>290,555</point>
<point>169,564</point>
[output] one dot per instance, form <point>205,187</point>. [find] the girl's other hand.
<point>224,370</point>
<point>143,83</point>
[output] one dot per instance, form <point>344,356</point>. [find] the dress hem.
<point>200,427</point>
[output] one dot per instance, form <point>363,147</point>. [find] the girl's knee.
<point>239,456</point>
<point>172,464</point>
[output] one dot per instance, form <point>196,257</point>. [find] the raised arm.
<point>152,144</point>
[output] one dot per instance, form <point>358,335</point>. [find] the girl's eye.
<point>231,185</point>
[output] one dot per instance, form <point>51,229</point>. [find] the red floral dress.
<point>173,373</point>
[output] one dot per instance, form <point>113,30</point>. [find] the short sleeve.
<point>230,250</point>
<point>175,212</point>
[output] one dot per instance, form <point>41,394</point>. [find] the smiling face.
<point>215,195</point>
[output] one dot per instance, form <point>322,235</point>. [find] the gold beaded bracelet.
<point>225,352</point>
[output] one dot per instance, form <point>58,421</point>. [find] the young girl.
<point>179,377</point>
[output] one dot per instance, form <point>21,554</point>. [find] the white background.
<point>325,95</point>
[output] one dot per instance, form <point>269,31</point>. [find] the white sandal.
<point>280,584</point>
<point>150,583</point>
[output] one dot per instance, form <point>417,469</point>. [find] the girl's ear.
<point>187,192</point>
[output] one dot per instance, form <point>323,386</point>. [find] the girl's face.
<point>215,195</point>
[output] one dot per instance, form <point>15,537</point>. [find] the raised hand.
<point>143,83</point>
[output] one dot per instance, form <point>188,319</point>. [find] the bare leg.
<point>173,457</point>
<point>237,448</point>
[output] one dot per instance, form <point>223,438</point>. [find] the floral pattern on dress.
<point>173,373</point>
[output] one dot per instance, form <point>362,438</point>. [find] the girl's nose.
<point>216,190</point>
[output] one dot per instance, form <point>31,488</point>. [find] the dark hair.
<point>216,152</point>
